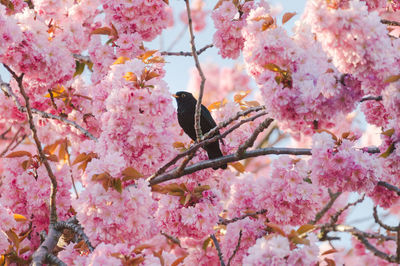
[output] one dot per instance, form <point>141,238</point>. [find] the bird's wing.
<point>206,121</point>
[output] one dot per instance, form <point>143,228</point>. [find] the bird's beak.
<point>176,96</point>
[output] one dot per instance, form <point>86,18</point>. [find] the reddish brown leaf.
<point>287,16</point>
<point>19,154</point>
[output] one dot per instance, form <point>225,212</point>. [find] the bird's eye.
<point>183,95</point>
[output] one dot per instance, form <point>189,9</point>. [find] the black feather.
<point>186,110</point>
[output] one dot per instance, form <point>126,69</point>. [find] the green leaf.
<point>388,132</point>
<point>389,151</point>
<point>117,185</point>
<point>206,243</point>
<point>79,67</point>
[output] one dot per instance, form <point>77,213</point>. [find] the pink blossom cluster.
<point>7,222</point>
<point>375,113</point>
<point>276,250</point>
<point>10,33</point>
<point>196,220</point>
<point>290,198</point>
<point>286,196</point>
<point>220,81</point>
<point>138,120</point>
<point>342,167</point>
<point>299,85</point>
<point>198,15</point>
<point>228,37</point>
<point>109,216</point>
<point>251,230</point>
<point>341,30</point>
<point>45,62</point>
<point>30,193</point>
<point>148,18</point>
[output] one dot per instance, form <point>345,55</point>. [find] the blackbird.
<point>186,110</point>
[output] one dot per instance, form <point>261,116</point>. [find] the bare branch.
<point>327,207</point>
<point>43,158</point>
<point>197,113</point>
<point>74,226</point>
<point>53,260</point>
<point>390,187</point>
<point>371,98</point>
<point>226,159</point>
<point>236,248</point>
<point>228,221</point>
<point>181,53</point>
<point>217,247</point>
<point>378,221</point>
<point>250,141</point>
<point>336,216</point>
<point>51,240</point>
<point>9,92</point>
<point>374,250</point>
<point>353,230</point>
<point>11,143</point>
<point>172,238</point>
<point>390,22</point>
<point>398,244</point>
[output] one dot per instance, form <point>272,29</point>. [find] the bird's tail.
<point>214,152</point>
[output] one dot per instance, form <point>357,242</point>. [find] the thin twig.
<point>53,190</point>
<point>335,217</point>
<point>9,92</point>
<point>371,98</point>
<point>378,221</point>
<point>197,113</point>
<point>181,53</point>
<point>390,187</point>
<point>250,141</point>
<point>226,159</point>
<point>236,248</point>
<point>327,207</point>
<point>374,250</point>
<point>390,22</point>
<point>10,144</point>
<point>353,230</point>
<point>172,238</point>
<point>217,247</point>
<point>228,221</point>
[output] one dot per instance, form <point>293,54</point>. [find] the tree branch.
<point>226,159</point>
<point>217,247</point>
<point>390,22</point>
<point>53,190</point>
<point>224,221</point>
<point>236,248</point>
<point>5,87</point>
<point>390,187</point>
<point>181,53</point>
<point>371,98</point>
<point>51,240</point>
<point>385,226</point>
<point>336,216</point>
<point>250,141</point>
<point>327,207</point>
<point>197,114</point>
